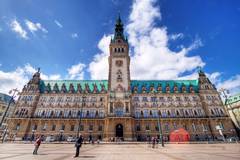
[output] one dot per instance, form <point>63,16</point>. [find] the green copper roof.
<point>164,83</point>
<point>75,83</point>
<point>134,83</point>
<point>233,99</point>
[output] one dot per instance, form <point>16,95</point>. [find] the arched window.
<point>150,113</point>
<point>177,113</point>
<point>43,113</point>
<point>212,112</point>
<point>16,113</point>
<point>96,114</point>
<point>186,113</point>
<point>195,113</point>
<point>221,111</point>
<point>159,113</point>
<point>122,49</point>
<point>168,113</point>
<point>141,113</point>
<point>87,114</point>
<point>115,49</point>
<point>118,49</point>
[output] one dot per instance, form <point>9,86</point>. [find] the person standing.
<point>37,144</point>
<point>78,144</point>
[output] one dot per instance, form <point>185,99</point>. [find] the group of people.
<point>78,145</point>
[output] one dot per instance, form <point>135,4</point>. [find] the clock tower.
<point>120,122</point>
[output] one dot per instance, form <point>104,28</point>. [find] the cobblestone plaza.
<point>10,151</point>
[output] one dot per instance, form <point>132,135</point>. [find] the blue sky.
<point>169,39</point>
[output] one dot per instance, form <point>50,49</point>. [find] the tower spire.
<point>119,29</point>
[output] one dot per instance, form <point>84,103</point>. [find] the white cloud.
<point>76,71</point>
<point>17,28</point>
<point>98,68</point>
<point>151,57</point>
<point>232,84</point>
<point>176,36</point>
<point>58,24</point>
<point>74,35</point>
<point>19,77</point>
<point>33,27</point>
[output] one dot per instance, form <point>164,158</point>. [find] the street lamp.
<point>205,132</point>
<point>160,129</point>
<point>80,116</point>
<point>61,134</point>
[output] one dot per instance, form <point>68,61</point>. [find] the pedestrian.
<point>78,144</point>
<point>153,142</point>
<point>37,144</point>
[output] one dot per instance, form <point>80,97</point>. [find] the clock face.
<point>119,63</point>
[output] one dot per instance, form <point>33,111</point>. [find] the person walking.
<point>78,144</point>
<point>37,144</point>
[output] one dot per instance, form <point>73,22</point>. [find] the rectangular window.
<point>44,127</point>
<point>18,126</point>
<point>147,127</point>
<point>90,127</point>
<point>81,127</point>
<point>62,127</point>
<point>100,128</point>
<point>53,127</point>
<point>144,99</point>
<point>154,99</point>
<point>72,128</point>
<point>138,128</point>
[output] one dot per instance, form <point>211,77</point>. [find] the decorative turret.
<point>204,82</point>
<point>34,83</point>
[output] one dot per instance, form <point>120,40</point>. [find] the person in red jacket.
<point>37,144</point>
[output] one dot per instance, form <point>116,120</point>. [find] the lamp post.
<point>33,136</point>
<point>80,116</point>
<point>61,134</point>
<point>160,129</point>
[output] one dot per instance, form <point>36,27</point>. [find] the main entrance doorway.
<point>119,130</point>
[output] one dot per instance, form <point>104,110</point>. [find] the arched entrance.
<point>119,130</point>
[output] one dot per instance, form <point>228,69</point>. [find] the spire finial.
<point>38,70</point>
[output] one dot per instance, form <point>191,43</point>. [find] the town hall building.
<point>120,106</point>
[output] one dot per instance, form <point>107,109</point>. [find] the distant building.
<point>120,106</point>
<point>4,100</point>
<point>233,107</point>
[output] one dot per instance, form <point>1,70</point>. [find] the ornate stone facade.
<point>119,106</point>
